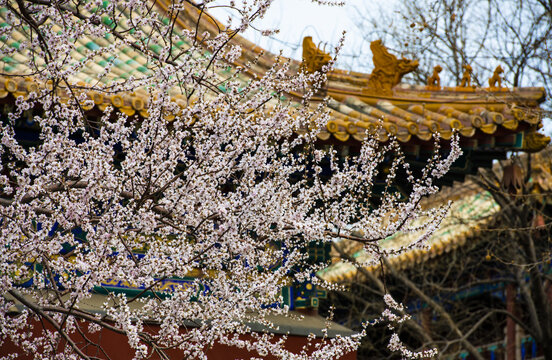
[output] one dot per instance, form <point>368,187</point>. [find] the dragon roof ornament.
<point>388,69</point>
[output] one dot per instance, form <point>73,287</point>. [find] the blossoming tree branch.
<point>161,149</point>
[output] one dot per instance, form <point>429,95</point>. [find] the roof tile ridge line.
<point>401,86</point>
<point>247,46</point>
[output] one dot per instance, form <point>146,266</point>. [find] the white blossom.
<point>218,175</point>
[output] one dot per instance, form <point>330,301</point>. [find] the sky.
<point>299,18</point>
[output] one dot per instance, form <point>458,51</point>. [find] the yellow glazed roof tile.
<point>472,209</point>
<point>359,101</point>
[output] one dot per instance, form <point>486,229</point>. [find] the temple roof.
<point>491,120</point>
<point>487,118</point>
<point>473,210</point>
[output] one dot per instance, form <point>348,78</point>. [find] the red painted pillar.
<point>548,287</point>
<point>510,323</point>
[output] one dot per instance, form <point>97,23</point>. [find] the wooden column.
<point>548,288</point>
<point>510,323</point>
<point>425,315</point>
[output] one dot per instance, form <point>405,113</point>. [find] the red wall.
<point>117,348</point>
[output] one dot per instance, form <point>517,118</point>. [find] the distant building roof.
<point>473,209</point>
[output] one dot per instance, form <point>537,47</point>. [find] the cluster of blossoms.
<point>219,176</point>
<point>392,316</point>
